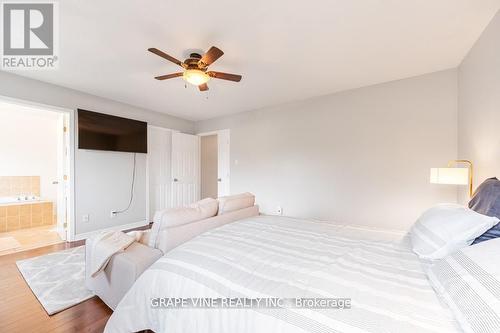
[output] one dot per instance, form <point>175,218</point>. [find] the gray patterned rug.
<point>57,279</point>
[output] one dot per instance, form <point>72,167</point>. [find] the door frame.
<point>218,132</point>
<point>63,163</point>
<point>70,227</point>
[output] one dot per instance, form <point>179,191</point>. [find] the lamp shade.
<point>450,176</point>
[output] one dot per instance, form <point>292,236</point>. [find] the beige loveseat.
<point>170,228</point>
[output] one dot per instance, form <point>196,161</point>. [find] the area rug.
<point>57,279</point>
<point>8,243</point>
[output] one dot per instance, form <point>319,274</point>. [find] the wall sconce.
<point>454,175</point>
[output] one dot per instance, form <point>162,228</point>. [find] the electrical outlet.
<point>279,210</point>
<point>113,214</point>
<point>86,218</point>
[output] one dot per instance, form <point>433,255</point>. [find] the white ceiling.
<point>285,50</point>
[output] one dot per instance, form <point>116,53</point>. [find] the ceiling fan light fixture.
<point>195,68</point>
<point>195,76</point>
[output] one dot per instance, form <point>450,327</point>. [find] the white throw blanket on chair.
<point>105,245</point>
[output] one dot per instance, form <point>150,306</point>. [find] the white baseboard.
<point>127,226</point>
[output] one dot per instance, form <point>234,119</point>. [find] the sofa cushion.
<point>197,211</point>
<point>235,202</point>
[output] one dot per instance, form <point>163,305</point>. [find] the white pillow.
<point>235,202</point>
<point>446,228</point>
<point>469,282</point>
<point>197,211</point>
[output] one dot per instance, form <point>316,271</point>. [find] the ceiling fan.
<point>196,68</point>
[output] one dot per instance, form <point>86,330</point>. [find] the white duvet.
<point>287,258</point>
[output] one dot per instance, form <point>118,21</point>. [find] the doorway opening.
<point>214,164</point>
<point>209,160</point>
<point>34,175</point>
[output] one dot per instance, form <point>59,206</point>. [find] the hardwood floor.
<point>20,311</point>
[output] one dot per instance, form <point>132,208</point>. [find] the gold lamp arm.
<point>471,172</point>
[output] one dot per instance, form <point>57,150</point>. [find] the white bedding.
<point>281,257</point>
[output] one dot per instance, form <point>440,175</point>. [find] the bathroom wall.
<point>28,147</point>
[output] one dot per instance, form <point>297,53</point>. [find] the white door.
<point>159,164</point>
<point>223,163</point>
<point>185,169</point>
<point>63,163</point>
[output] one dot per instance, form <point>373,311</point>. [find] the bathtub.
<point>19,199</point>
<point>23,212</point>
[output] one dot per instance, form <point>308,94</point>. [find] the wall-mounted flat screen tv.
<point>99,131</point>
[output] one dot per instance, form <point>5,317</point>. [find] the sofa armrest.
<point>121,271</point>
<point>135,259</point>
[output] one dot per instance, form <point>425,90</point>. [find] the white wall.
<point>103,183</point>
<point>28,146</point>
<point>360,156</point>
<point>102,179</point>
<point>479,105</point>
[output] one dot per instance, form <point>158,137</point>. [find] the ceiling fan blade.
<point>209,58</point>
<point>203,87</point>
<point>225,76</point>
<point>165,56</point>
<point>168,76</point>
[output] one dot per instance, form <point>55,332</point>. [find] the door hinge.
<point>65,177</point>
<point>64,129</point>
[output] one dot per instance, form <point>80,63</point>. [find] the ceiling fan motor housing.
<point>193,62</point>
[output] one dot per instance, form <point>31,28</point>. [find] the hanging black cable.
<point>131,189</point>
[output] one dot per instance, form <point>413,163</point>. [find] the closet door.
<point>159,164</point>
<point>185,169</point>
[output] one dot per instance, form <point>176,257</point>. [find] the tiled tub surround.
<point>15,216</point>
<point>19,215</point>
<point>13,186</point>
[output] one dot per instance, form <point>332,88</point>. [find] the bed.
<point>279,257</point>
